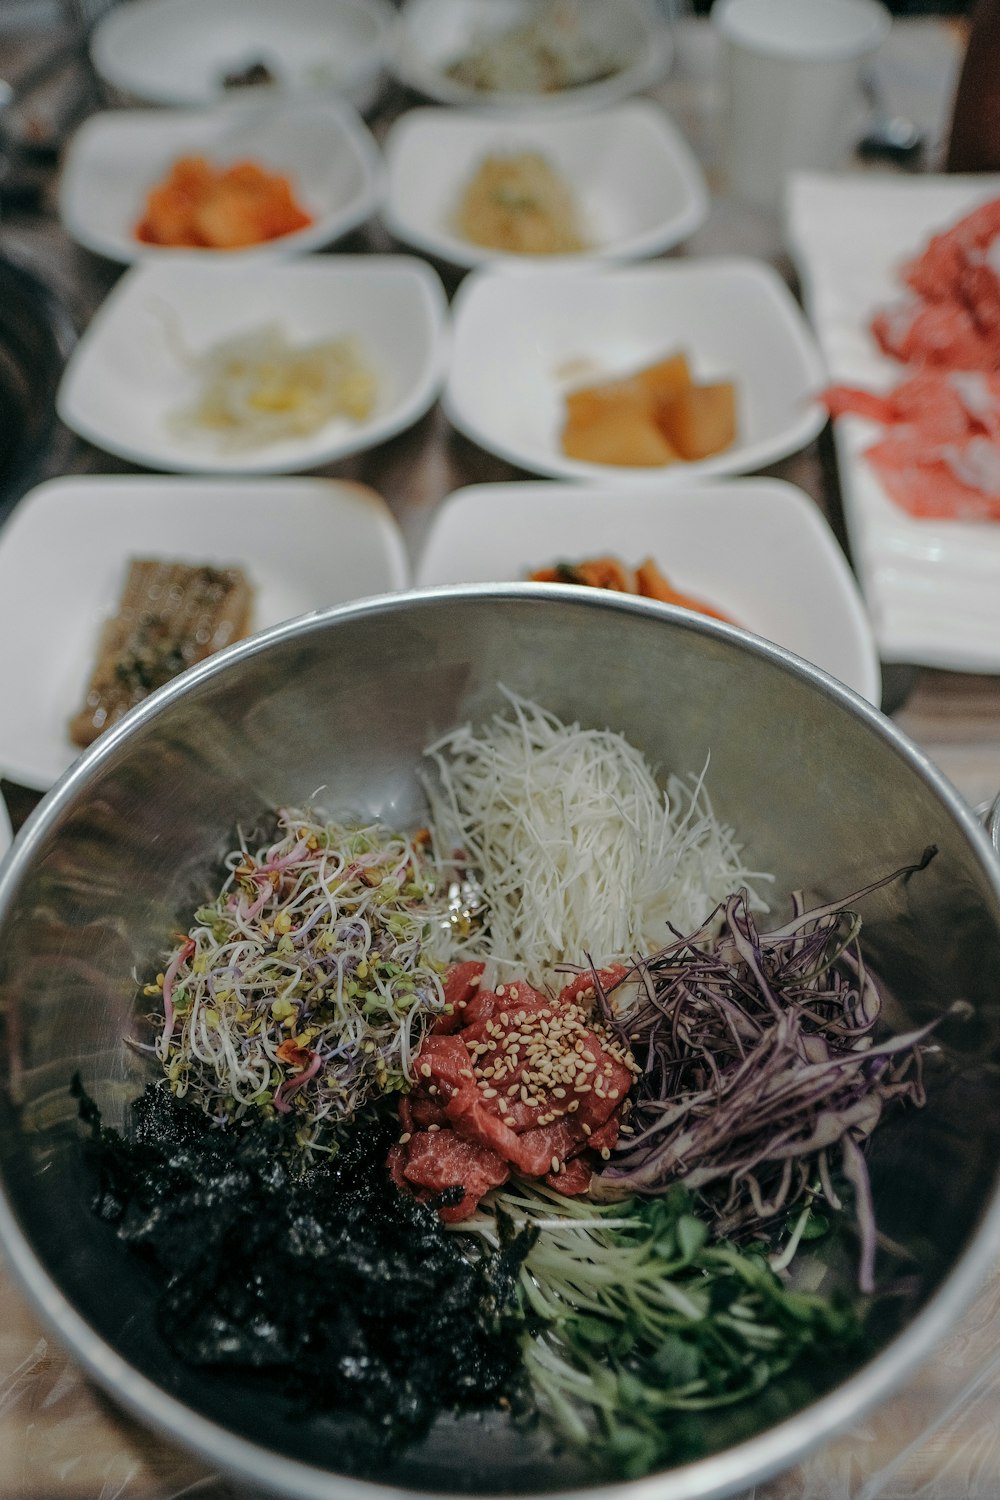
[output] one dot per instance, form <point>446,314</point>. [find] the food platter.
<point>522,342</point>
<point>414,472</point>
<point>779,574</point>
<point>304,544</point>
<point>932,587</point>
<point>321,146</point>
<point>638,187</point>
<point>629,42</point>
<point>137,366</point>
<point>179,52</point>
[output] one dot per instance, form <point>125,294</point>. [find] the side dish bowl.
<point>636,186</point>
<point>303,543</point>
<point>629,37</point>
<point>823,791</point>
<point>141,362</point>
<point>320,146</point>
<point>757,550</point>
<point>521,343</point>
<point>180,52</point>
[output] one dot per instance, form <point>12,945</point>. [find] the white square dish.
<point>521,342</point>
<point>136,365</point>
<point>178,52</point>
<point>637,186</point>
<point>304,544</point>
<point>322,146</point>
<point>629,35</point>
<point>757,550</point>
<point>932,586</point>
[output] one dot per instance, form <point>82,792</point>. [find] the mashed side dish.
<point>549,53</point>
<point>520,204</point>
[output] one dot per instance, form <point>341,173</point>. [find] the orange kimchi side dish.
<point>201,206</point>
<point>646,581</point>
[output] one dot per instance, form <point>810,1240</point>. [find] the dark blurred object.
<point>36,335</point>
<point>974,144</point>
<point>898,7</point>
<point>889,137</point>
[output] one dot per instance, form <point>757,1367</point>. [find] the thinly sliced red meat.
<point>526,1079</point>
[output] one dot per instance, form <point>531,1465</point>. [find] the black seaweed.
<point>350,1293</point>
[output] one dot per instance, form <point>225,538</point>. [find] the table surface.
<point>938,1439</point>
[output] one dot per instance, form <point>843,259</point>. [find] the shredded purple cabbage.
<point>762,1070</point>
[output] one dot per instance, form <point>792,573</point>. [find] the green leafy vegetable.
<point>645,1322</point>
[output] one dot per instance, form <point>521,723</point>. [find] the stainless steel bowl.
<point>823,790</point>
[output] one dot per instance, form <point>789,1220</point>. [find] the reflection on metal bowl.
<point>823,791</point>
<point>36,335</point>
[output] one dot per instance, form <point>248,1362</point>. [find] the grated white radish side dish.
<point>581,855</point>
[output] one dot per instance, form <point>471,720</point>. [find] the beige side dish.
<point>171,615</point>
<point>520,204</point>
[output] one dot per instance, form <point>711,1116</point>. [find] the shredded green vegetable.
<point>645,1320</point>
<point>306,985</point>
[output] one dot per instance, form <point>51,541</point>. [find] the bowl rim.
<point>745,1464</point>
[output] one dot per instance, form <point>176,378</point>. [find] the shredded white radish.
<point>581,855</point>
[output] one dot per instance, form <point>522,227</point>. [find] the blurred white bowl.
<point>434,34</point>
<point>638,188</point>
<point>758,550</point>
<point>322,146</point>
<point>178,52</point>
<point>136,365</point>
<point>304,544</point>
<point>521,342</point>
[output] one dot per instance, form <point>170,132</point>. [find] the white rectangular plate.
<point>932,587</point>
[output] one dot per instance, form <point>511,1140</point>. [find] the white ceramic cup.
<point>789,72</point>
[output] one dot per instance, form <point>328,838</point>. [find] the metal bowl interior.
<point>822,790</point>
